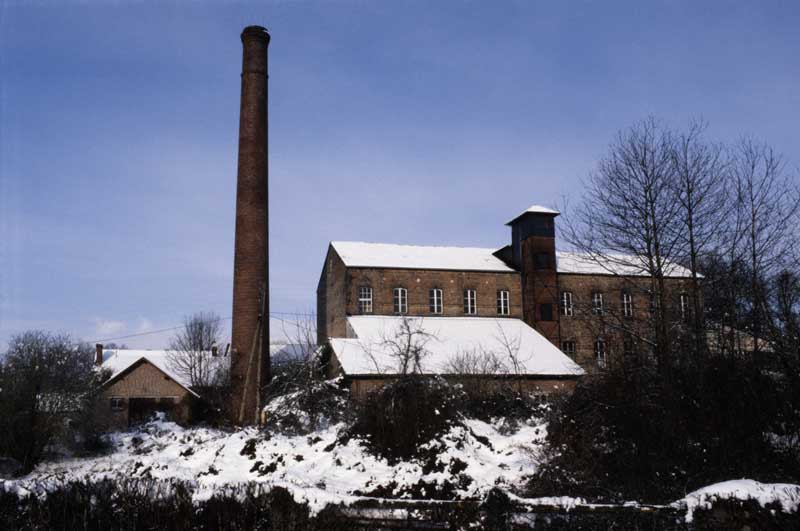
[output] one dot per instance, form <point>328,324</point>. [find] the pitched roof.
<point>365,351</point>
<point>535,209</point>
<point>612,264</point>
<point>121,360</point>
<point>363,254</point>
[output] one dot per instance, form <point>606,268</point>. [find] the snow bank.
<point>785,494</point>
<point>317,468</point>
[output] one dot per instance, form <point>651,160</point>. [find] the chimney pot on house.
<point>98,354</point>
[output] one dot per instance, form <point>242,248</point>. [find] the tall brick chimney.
<point>250,363</point>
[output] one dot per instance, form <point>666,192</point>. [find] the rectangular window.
<point>600,352</point>
<point>435,300</point>
<point>568,348</point>
<point>117,404</point>
<point>541,261</point>
<point>364,299</point>
<point>627,304</point>
<point>470,302</point>
<point>566,304</point>
<point>684,307</point>
<point>502,302</point>
<point>628,347</point>
<point>597,303</point>
<point>546,312</point>
<point>400,299</point>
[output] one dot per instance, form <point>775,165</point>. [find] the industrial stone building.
<point>591,309</point>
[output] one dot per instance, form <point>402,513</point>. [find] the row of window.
<point>599,349</point>
<point>598,304</point>
<point>435,301</point>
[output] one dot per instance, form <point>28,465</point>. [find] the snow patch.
<point>785,494</point>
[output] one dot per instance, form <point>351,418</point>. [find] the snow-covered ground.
<point>786,495</point>
<point>323,468</point>
<point>317,468</point>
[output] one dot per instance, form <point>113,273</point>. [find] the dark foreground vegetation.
<point>149,505</point>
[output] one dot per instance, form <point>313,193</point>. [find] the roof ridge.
<point>415,245</point>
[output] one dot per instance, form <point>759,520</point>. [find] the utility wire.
<point>161,330</point>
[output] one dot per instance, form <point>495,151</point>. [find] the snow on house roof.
<point>363,254</point>
<point>535,209</point>
<point>119,360</point>
<point>365,350</point>
<point>611,264</point>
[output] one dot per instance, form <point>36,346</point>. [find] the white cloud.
<point>107,327</point>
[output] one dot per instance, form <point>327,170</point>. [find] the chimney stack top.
<point>255,32</point>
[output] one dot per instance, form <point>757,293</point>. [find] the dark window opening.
<point>541,261</point>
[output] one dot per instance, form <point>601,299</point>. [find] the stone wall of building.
<point>419,282</point>
<point>361,387</point>
<point>540,285</point>
<point>332,299</point>
<point>584,327</point>
<point>143,382</point>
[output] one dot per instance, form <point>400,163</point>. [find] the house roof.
<point>535,209</point>
<point>363,254</point>
<point>365,350</point>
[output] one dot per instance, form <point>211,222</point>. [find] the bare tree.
<point>193,351</point>
<point>299,397</point>
<point>768,206</point>
<point>629,217</point>
<point>700,181</point>
<point>45,381</point>
<point>408,346</point>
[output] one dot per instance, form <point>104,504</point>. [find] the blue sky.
<point>406,122</point>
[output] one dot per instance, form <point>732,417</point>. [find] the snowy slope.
<point>316,469</point>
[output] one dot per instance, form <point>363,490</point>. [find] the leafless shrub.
<point>193,351</point>
<point>299,399</point>
<point>48,388</point>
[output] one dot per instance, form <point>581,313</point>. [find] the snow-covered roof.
<point>611,264</point>
<point>534,209</point>
<point>365,350</point>
<point>290,351</point>
<point>363,254</point>
<point>118,360</point>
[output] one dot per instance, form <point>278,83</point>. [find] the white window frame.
<point>627,304</point>
<point>503,306</point>
<point>600,352</point>
<point>684,301</point>
<point>567,307</point>
<point>364,299</point>
<point>597,303</point>
<point>569,352</point>
<point>400,300</point>
<point>470,302</point>
<point>435,300</point>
